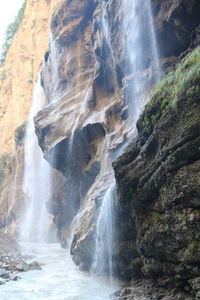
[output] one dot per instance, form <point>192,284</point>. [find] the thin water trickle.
<point>13,194</point>
<point>133,46</point>
<point>83,107</point>
<point>37,179</point>
<point>137,60</point>
<point>60,280</point>
<point>104,239</point>
<point>54,66</point>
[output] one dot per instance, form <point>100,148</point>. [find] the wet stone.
<point>2,272</point>
<point>2,282</point>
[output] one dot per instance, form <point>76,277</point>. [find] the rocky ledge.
<point>12,262</point>
<point>146,290</point>
<point>158,182</point>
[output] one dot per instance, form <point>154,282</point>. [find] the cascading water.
<point>9,213</point>
<point>105,235</point>
<point>58,280</point>
<point>86,94</point>
<point>133,45</point>
<point>37,178</point>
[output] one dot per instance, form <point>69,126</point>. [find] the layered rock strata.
<point>83,120</point>
<point>87,82</point>
<point>158,180</point>
<point>20,69</point>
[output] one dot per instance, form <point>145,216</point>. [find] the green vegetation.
<point>179,82</point>
<point>165,189</point>
<point>184,81</point>
<point>146,121</point>
<point>157,217</point>
<point>32,71</point>
<point>191,249</point>
<point>20,131</point>
<point>2,77</point>
<point>33,23</point>
<point>10,32</point>
<point>191,118</point>
<point>174,291</point>
<point>57,6</point>
<point>6,165</point>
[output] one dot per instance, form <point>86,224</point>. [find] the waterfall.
<point>54,68</point>
<point>102,263</point>
<point>83,108</point>
<point>37,178</point>
<point>138,44</point>
<point>133,45</point>
<point>104,236</point>
<point>13,193</point>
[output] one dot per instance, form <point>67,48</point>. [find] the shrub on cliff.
<point>10,32</point>
<point>183,81</point>
<point>20,131</point>
<point>6,166</point>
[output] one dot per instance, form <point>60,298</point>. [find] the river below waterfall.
<point>59,279</point>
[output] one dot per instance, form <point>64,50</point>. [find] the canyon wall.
<point>20,69</point>
<point>158,174</point>
<point>17,77</point>
<point>87,83</point>
<point>86,80</point>
<point>89,120</point>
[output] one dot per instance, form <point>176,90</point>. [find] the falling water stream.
<point>133,45</point>
<point>105,235</point>
<point>37,179</point>
<point>59,278</point>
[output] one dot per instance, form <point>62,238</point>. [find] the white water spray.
<point>37,178</point>
<point>103,263</point>
<point>135,47</point>
<point>13,193</point>
<point>83,107</point>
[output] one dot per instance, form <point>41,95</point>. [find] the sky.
<point>8,11</point>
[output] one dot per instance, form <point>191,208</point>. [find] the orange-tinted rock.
<point>21,67</point>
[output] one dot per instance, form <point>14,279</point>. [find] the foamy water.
<point>59,279</point>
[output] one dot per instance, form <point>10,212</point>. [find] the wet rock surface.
<point>87,82</point>
<point>146,290</point>
<point>12,262</point>
<point>85,105</point>
<point>158,181</point>
<point>175,23</point>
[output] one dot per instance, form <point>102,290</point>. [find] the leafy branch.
<point>10,32</point>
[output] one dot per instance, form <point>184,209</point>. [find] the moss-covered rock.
<point>6,167</point>
<point>158,178</point>
<point>19,133</point>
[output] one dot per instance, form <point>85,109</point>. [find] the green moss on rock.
<point>6,166</point>
<point>184,81</point>
<point>20,131</point>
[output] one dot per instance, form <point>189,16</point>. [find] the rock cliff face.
<point>157,176</point>
<point>86,80</point>
<point>84,119</point>
<point>88,121</point>
<point>158,180</point>
<point>11,190</point>
<point>18,75</point>
<point>20,69</point>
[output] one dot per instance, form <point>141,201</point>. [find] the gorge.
<point>107,162</point>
